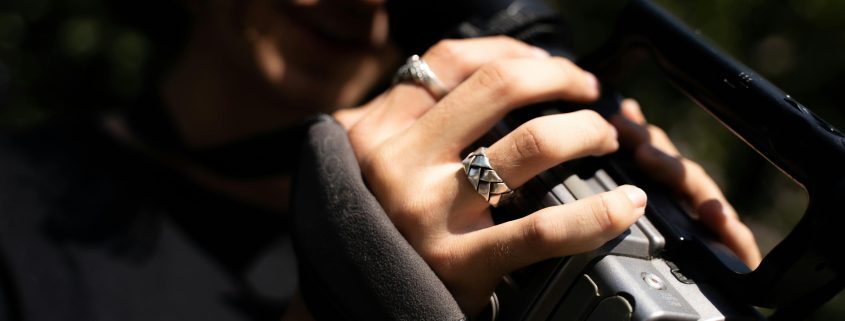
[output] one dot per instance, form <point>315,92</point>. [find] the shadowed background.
<point>63,59</point>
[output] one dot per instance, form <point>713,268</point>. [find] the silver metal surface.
<point>415,70</point>
<point>641,241</point>
<point>580,300</point>
<point>558,191</point>
<point>578,187</point>
<point>606,180</point>
<point>484,178</point>
<point>494,307</point>
<point>653,281</point>
<point>643,281</point>
<point>595,185</point>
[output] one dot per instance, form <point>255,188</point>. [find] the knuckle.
<point>596,132</point>
<point>540,231</point>
<point>449,50</point>
<point>498,78</point>
<point>609,212</point>
<point>530,142</point>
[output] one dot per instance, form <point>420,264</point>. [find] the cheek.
<point>300,64</point>
<point>269,59</point>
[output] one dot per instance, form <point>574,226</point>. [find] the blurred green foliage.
<point>69,58</point>
<point>66,58</point>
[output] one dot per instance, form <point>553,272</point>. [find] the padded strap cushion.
<point>354,264</point>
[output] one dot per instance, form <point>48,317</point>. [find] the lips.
<point>347,24</point>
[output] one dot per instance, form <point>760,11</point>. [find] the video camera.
<point>665,267</point>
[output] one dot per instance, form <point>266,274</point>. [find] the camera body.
<point>629,278</point>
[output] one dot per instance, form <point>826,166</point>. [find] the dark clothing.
<point>91,230</point>
<point>347,244</point>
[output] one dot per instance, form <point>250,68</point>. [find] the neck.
<point>212,101</point>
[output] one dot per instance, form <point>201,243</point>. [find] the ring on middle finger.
<point>484,178</point>
<point>418,72</point>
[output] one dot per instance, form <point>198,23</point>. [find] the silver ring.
<point>417,71</point>
<point>484,178</point>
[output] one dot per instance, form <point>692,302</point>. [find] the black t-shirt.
<point>90,230</point>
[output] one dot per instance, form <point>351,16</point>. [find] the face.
<point>314,54</point>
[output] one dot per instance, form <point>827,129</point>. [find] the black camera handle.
<point>806,268</point>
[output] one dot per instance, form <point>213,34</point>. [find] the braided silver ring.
<point>418,72</point>
<point>484,178</point>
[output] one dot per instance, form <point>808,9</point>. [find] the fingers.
<point>558,231</point>
<point>452,61</point>
<point>736,235</point>
<point>710,204</point>
<point>631,110</point>
<point>348,117</point>
<point>473,263</point>
<point>484,98</point>
<point>655,153</point>
<point>634,131</point>
<point>548,141</point>
<point>455,60</point>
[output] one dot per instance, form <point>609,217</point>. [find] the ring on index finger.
<point>484,178</point>
<point>418,72</point>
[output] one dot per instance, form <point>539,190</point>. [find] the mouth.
<point>347,26</point>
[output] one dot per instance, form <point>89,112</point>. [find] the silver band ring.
<point>417,71</point>
<point>484,178</point>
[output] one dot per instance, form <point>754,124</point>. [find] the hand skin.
<point>409,145</point>
<point>658,156</point>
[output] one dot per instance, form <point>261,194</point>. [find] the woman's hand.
<point>657,155</point>
<point>409,146</point>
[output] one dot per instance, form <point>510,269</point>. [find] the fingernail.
<point>635,195</point>
<point>540,52</point>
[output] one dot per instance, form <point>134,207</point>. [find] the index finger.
<point>556,231</point>
<point>492,91</point>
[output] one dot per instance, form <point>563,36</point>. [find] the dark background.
<point>70,58</point>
